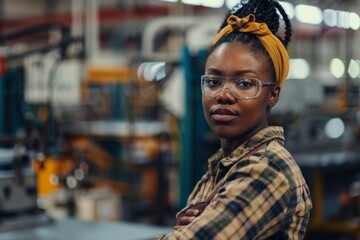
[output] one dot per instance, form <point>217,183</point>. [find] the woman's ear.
<point>274,96</point>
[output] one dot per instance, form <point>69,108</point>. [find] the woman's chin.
<point>225,134</point>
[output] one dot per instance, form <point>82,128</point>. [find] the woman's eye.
<point>213,82</point>
<point>244,83</point>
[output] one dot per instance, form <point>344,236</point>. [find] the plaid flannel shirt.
<point>264,197</point>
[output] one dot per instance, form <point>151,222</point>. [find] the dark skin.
<point>233,120</point>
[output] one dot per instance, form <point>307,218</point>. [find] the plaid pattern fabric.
<point>264,196</point>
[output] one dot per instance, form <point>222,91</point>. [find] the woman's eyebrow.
<point>213,71</point>
<point>216,71</point>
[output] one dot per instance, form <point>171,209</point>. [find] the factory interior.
<point>102,132</point>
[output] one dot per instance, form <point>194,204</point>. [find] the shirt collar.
<point>264,135</point>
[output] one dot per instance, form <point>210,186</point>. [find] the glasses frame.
<point>221,78</point>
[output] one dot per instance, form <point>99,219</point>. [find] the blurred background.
<point>102,131</point>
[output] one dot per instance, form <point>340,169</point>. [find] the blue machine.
<point>2,73</point>
<point>1,103</point>
<point>12,98</point>
<point>197,140</point>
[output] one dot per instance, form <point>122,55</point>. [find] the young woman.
<point>253,188</point>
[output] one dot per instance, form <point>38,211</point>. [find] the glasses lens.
<point>211,85</point>
<point>241,88</point>
<point>245,88</point>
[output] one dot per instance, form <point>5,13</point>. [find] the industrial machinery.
<point>24,143</point>
<point>18,196</point>
<point>69,120</point>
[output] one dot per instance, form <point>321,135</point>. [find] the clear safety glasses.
<point>240,87</point>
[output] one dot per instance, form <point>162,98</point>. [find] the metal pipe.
<point>92,29</point>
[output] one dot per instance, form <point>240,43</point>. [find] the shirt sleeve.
<point>251,205</point>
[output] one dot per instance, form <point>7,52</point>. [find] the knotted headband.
<point>272,44</point>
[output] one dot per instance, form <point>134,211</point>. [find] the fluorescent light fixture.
<point>213,3</point>
<point>354,69</point>
<point>343,20</point>
<point>192,2</point>
<point>299,69</point>
<point>289,9</point>
<point>169,0</point>
<point>330,17</point>
<point>354,21</point>
<point>308,14</point>
<point>337,68</point>
<point>231,3</point>
<point>334,128</point>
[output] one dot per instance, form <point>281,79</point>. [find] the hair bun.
<point>266,11</point>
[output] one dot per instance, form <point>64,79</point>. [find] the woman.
<point>253,188</point>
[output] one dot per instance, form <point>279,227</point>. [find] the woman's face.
<point>227,116</point>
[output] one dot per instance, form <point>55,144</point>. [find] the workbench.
<point>64,229</point>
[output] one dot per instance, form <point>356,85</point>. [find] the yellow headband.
<point>272,44</point>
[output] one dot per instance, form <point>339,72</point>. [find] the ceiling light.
<point>354,20</point>
<point>354,69</point>
<point>213,3</point>
<point>330,17</point>
<point>308,14</point>
<point>299,69</point>
<point>343,20</point>
<point>192,2</point>
<point>337,68</point>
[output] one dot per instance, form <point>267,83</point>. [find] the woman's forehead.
<point>236,57</point>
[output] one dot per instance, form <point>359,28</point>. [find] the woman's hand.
<point>186,217</point>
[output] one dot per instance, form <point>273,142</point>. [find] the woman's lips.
<point>223,115</point>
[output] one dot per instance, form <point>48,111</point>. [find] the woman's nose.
<point>225,95</point>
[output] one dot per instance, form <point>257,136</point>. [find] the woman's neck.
<point>228,145</point>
